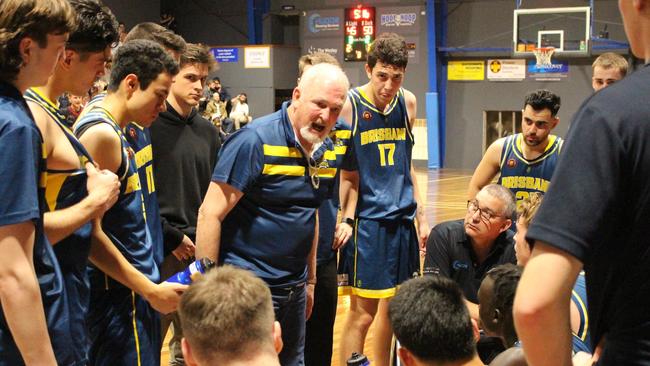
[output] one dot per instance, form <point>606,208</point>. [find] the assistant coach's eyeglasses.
<point>313,173</point>
<point>486,214</point>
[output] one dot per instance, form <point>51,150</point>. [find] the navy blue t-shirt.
<point>270,230</point>
<point>597,209</point>
<point>22,167</point>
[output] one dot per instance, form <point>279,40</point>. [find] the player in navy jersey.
<point>525,160</point>
<point>139,139</point>
<point>384,249</point>
<point>32,37</point>
<point>124,329</point>
<point>260,209</point>
<point>580,327</point>
<point>76,192</point>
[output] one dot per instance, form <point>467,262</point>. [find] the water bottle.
<point>358,360</point>
<point>192,272</point>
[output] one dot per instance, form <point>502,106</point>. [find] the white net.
<point>543,55</point>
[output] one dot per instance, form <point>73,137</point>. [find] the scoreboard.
<point>359,32</point>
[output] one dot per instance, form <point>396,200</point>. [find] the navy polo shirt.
<point>450,254</point>
<point>270,230</point>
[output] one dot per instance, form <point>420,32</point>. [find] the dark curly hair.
<point>96,27</point>
<point>506,278</point>
<point>390,49</point>
<point>543,99</point>
<point>143,58</point>
<point>29,18</point>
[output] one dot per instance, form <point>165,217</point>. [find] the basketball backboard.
<point>565,29</point>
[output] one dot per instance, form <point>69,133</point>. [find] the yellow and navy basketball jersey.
<point>582,338</point>
<point>381,151</point>
<point>124,223</point>
<point>65,188</point>
<point>270,230</point>
<point>327,212</point>
<point>523,176</point>
<point>140,140</point>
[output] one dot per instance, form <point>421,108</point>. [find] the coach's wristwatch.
<point>348,221</point>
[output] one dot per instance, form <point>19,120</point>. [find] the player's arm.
<point>541,306</point>
<point>348,195</point>
<point>422,223</point>
<point>20,295</point>
<point>311,270</point>
<point>103,254</point>
<point>218,202</point>
<point>103,144</point>
<point>486,169</point>
<point>348,187</point>
<point>102,191</point>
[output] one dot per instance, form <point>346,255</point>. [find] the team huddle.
<point>314,200</point>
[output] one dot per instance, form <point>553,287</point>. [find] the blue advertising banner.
<point>225,54</point>
<point>558,70</point>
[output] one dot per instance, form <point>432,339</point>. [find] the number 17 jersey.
<point>381,150</point>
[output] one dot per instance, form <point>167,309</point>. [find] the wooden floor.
<point>446,199</point>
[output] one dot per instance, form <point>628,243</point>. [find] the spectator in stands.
<point>227,318</point>
<point>432,324</point>
<point>74,109</point>
<point>240,113</point>
<point>608,69</point>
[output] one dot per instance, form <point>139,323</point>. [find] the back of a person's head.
<point>543,99</point>
<point>610,60</point>
<point>29,18</point>
<point>505,279</point>
<point>527,209</point>
<point>430,319</point>
<point>389,49</point>
<point>315,58</point>
<point>96,27</point>
<point>198,54</point>
<point>159,34</point>
<point>145,59</point>
<point>227,315</point>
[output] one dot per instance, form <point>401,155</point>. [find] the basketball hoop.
<point>543,56</point>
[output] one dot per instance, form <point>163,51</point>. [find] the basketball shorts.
<point>124,329</point>
<point>380,256</point>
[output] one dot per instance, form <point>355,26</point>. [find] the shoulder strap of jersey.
<point>353,96</point>
<point>36,96</point>
<point>508,145</point>
<point>95,116</point>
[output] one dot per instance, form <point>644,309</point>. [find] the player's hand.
<point>166,296</point>
<point>103,189</point>
<point>342,235</point>
<point>582,359</point>
<point>423,234</point>
<point>185,250</point>
<point>309,305</point>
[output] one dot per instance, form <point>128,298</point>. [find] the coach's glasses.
<point>313,173</point>
<point>485,213</point>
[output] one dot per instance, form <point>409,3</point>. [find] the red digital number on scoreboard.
<point>359,32</point>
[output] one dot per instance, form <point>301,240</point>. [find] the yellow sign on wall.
<point>466,70</point>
